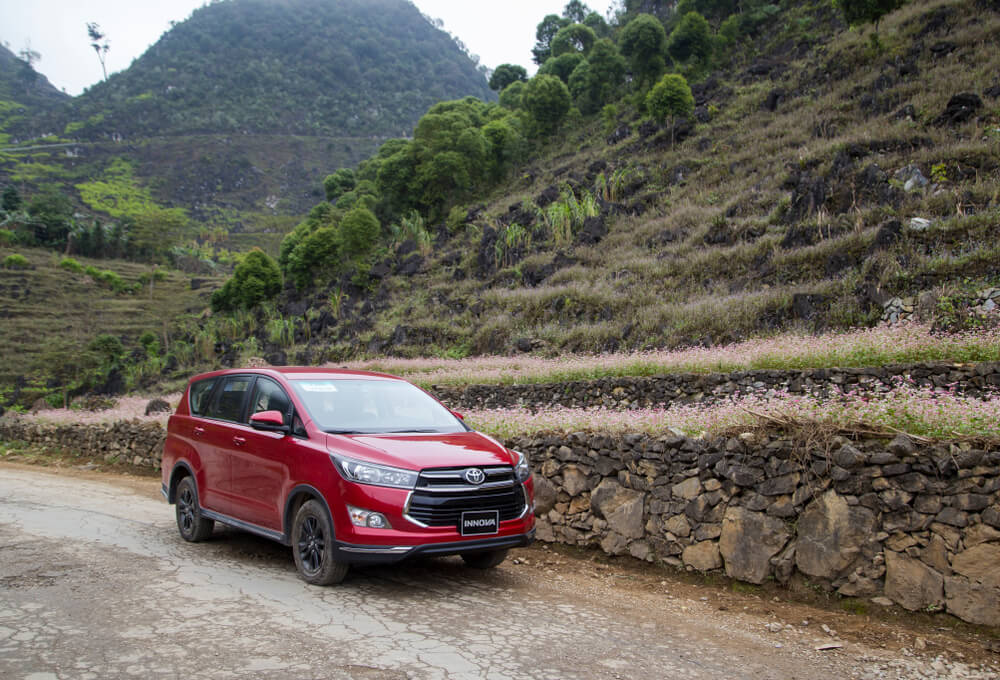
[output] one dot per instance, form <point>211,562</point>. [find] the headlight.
<point>522,471</point>
<point>377,475</point>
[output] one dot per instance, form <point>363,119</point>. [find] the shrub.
<point>16,261</point>
<point>360,231</point>
<point>255,279</point>
<point>71,265</point>
<point>547,100</point>
<point>6,237</point>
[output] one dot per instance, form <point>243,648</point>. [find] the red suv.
<point>346,467</point>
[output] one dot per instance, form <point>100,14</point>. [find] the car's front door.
<point>259,466</point>
<point>219,432</point>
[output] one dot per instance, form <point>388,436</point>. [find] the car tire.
<point>312,546</point>
<point>484,560</point>
<point>191,524</point>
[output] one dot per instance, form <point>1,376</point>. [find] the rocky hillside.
<point>825,178</point>
<point>237,113</point>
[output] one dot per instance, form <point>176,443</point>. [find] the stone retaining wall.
<point>132,442</point>
<point>687,388</point>
<point>872,518</point>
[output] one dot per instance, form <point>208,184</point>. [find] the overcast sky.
<point>499,31</point>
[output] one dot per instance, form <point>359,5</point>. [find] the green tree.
<point>99,41</point>
<point>255,279</point>
<point>506,146</point>
<point>691,39</point>
<point>510,97</point>
<point>544,33</point>
<point>360,230</point>
<point>154,231</point>
<point>602,80</point>
<point>597,24</point>
<point>316,253</point>
<point>562,66</point>
<point>573,38</point>
<point>505,74</point>
<point>643,42</point>
<point>857,12</point>
<point>51,214</point>
<point>109,351</point>
<point>65,362</point>
<point>670,98</point>
<point>576,11</point>
<point>340,182</point>
<point>11,200</point>
<point>547,100</point>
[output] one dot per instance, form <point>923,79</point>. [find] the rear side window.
<point>198,396</point>
<point>227,404</point>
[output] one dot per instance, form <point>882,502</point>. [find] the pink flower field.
<point>903,343</point>
<point>126,408</point>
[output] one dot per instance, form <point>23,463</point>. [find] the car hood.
<point>420,451</point>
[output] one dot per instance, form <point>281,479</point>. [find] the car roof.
<point>302,373</point>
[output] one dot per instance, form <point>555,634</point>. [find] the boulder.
<point>157,406</point>
<point>621,507</point>
<point>748,542</point>
<point>912,584</point>
<point>678,525</point>
<point>702,556</point>
<point>979,563</point>
<point>545,495</point>
<point>574,480</point>
<point>688,489</point>
<point>973,602</point>
<point>830,535</point>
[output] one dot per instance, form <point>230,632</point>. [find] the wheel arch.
<point>180,471</point>
<point>296,499</point>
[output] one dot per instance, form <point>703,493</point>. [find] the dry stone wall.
<point>870,518</point>
<point>689,388</point>
<point>918,524</point>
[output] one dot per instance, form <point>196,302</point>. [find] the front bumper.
<point>382,554</point>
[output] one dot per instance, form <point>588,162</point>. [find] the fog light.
<point>367,518</point>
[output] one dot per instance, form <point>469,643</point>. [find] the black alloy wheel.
<point>312,546</point>
<point>190,522</point>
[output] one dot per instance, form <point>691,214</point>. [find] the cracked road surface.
<point>96,583</point>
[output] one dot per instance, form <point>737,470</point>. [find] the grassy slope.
<point>659,280</point>
<point>46,301</point>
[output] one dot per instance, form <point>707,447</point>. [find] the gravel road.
<point>96,583</point>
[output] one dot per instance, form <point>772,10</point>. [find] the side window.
<point>268,396</point>
<point>229,398</point>
<point>198,396</point>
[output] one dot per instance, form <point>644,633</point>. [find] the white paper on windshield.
<point>318,386</point>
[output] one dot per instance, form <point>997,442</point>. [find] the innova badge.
<point>474,476</point>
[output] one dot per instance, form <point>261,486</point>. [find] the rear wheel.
<point>484,560</point>
<point>312,546</point>
<point>190,523</point>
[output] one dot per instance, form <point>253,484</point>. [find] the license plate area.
<point>480,522</point>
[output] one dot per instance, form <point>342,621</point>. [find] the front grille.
<point>441,496</point>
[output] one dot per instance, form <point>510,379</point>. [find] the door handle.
<point>199,431</point>
<point>239,441</point>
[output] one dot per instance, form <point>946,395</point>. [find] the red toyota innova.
<point>346,467</point>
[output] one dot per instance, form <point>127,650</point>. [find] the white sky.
<point>499,31</point>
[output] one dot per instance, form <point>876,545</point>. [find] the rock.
<point>830,535</point>
<point>545,495</point>
<point>960,108</point>
<point>952,517</point>
<point>920,224</point>
<point>981,533</point>
<point>157,406</point>
<point>882,601</point>
<point>678,525</point>
<point>702,556</point>
<point>688,489</point>
<point>849,457</point>
<point>574,480</point>
<point>901,445</point>
<point>614,544</point>
<point>779,486</point>
<point>749,540</point>
<point>935,555</point>
<point>979,564</point>
<point>912,584</point>
<point>972,602</point>
<point>911,177</point>
<point>621,507</point>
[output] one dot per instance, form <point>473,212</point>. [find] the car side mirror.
<point>269,421</point>
<point>458,415</point>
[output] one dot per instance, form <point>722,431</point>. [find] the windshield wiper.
<point>433,430</point>
<point>342,432</point>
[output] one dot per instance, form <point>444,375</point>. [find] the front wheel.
<point>190,522</point>
<point>484,560</point>
<point>312,546</point>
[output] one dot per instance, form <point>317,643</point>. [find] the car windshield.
<point>359,406</point>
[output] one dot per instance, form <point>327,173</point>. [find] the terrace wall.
<point>918,524</point>
<point>692,388</point>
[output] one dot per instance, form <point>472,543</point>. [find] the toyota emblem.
<point>474,476</point>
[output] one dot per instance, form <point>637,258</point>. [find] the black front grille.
<point>441,496</point>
